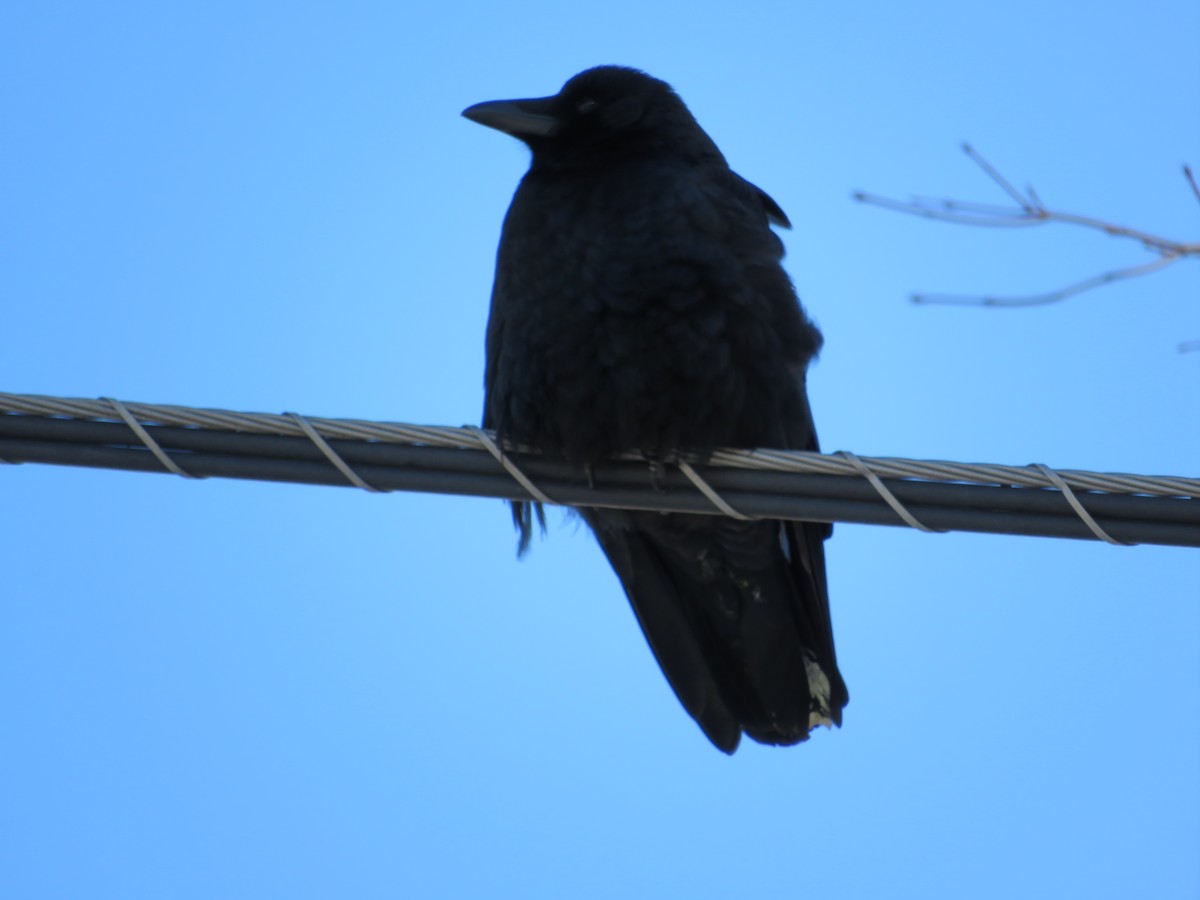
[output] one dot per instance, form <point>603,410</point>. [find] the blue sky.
<point>219,689</point>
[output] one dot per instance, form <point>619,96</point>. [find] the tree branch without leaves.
<point>1030,210</point>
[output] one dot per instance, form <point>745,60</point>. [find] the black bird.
<point>640,304</point>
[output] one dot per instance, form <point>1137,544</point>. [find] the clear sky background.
<point>224,690</point>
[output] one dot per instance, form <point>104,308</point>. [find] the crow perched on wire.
<point>639,304</point>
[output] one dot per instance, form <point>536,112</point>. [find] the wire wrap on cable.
<point>706,489</point>
<point>509,466</point>
<point>144,436</point>
<point>888,497</point>
<point>330,454</point>
<point>1077,506</point>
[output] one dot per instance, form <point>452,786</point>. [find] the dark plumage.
<point>639,304</point>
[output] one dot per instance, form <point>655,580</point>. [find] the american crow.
<point>640,304</point>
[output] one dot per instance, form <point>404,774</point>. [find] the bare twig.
<point>1027,205</point>
<point>1187,173</point>
<point>954,211</point>
<point>1031,211</point>
<point>1054,296</point>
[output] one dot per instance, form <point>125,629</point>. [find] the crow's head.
<point>605,113</point>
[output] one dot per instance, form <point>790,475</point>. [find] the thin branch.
<point>1149,241</point>
<point>1053,296</point>
<point>1187,173</point>
<point>1031,211</point>
<point>1022,201</point>
<point>982,214</point>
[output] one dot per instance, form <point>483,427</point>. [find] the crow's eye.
<point>586,106</point>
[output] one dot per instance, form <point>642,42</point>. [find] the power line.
<point>942,496</point>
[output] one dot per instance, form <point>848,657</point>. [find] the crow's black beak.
<point>520,118</point>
